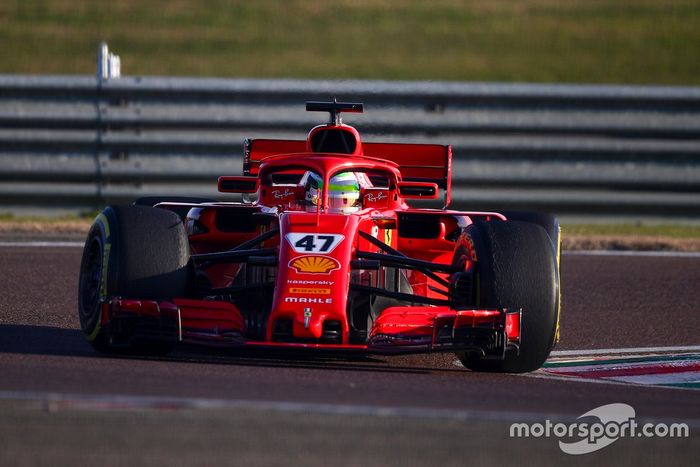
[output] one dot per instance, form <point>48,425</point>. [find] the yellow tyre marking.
<point>102,219</point>
<point>103,273</point>
<point>556,332</point>
<point>96,331</point>
<point>107,247</point>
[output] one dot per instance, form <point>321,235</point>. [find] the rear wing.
<point>417,162</point>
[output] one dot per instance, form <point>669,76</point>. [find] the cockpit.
<point>346,191</point>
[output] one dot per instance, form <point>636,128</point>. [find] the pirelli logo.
<point>309,291</point>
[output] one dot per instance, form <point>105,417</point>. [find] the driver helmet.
<point>343,192</point>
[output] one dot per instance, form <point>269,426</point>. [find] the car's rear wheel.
<point>135,252</point>
<point>515,268</point>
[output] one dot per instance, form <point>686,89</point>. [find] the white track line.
<point>632,350</point>
<point>655,379</point>
<point>540,374</point>
<point>43,244</point>
<point>135,402</point>
<point>67,401</point>
<point>652,254</point>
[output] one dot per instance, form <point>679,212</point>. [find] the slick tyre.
<point>551,225</point>
<point>548,222</point>
<point>135,252</point>
<point>516,268</point>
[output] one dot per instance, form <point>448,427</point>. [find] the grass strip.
<point>577,41</point>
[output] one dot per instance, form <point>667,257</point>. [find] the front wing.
<point>398,330</point>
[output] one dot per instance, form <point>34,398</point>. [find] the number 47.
<point>308,243</point>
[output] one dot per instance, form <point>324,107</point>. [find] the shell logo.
<point>314,264</point>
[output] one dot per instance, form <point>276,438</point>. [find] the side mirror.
<point>238,184</point>
<point>418,190</point>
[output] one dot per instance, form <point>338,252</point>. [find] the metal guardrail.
<point>82,141</point>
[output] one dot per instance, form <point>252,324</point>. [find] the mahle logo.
<point>599,428</point>
<point>324,301</point>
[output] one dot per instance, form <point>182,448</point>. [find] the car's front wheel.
<point>133,252</point>
<point>515,268</point>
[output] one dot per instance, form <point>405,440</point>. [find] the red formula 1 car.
<point>327,256</point>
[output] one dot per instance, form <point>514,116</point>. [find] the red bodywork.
<point>314,266</point>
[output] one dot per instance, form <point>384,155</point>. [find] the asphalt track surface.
<point>58,396</point>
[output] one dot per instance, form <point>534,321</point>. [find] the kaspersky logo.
<point>312,264</point>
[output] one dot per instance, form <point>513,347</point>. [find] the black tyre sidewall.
<point>551,225</point>
<point>547,221</point>
<point>515,268</point>
<point>145,255</point>
<point>152,254</point>
<point>103,232</point>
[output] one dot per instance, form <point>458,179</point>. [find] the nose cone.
<point>311,295</point>
<point>309,325</point>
